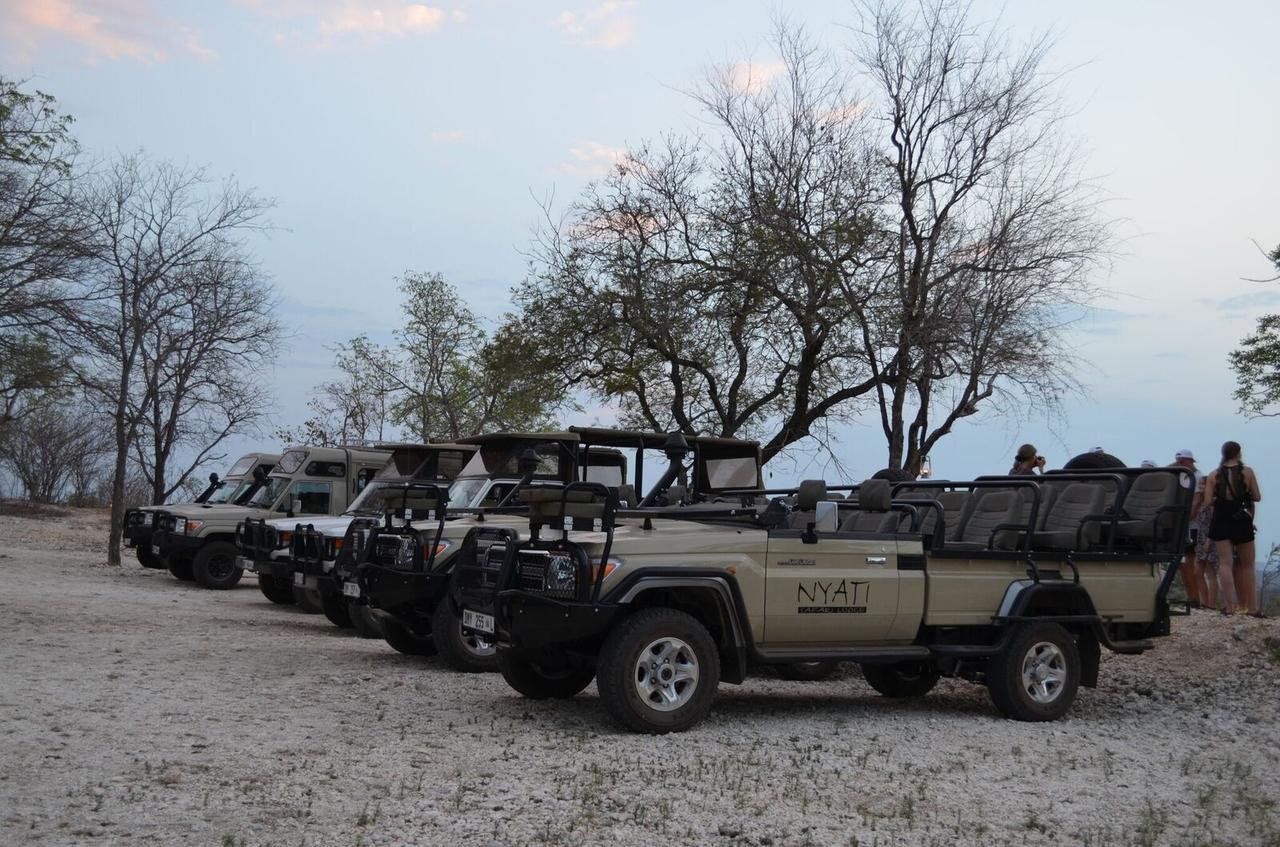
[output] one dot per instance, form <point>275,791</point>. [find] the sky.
<point>399,136</point>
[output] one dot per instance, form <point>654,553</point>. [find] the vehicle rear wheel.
<point>901,679</point>
<point>402,639</point>
<point>1035,677</point>
<point>658,671</point>
<point>307,599</point>
<point>215,566</point>
<point>462,651</point>
<point>277,589</point>
<point>367,622</point>
<point>541,681</point>
<point>181,569</point>
<point>808,671</point>
<point>335,609</point>
<point>146,558</point>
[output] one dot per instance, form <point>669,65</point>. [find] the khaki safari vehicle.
<point>235,486</point>
<point>1015,583</point>
<point>295,560</point>
<point>198,541</point>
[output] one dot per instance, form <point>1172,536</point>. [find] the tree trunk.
<point>117,490</point>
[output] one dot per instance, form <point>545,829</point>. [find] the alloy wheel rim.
<point>666,674</point>
<point>475,644</point>
<point>1044,672</point>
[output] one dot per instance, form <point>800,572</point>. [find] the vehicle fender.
<point>1028,598</point>
<point>733,650</point>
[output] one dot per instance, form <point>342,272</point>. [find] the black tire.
<point>277,589</point>
<point>335,609</point>
<point>148,559</point>
<point>901,679</point>
<point>215,566</point>
<point>619,666</point>
<point>181,569</point>
<point>462,652</point>
<point>538,681</point>
<point>307,599</point>
<point>367,622</point>
<point>1036,675</point>
<point>808,671</point>
<point>402,639</point>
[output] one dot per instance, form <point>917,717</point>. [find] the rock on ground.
<point>135,709</point>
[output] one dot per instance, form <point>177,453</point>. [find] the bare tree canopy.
<point>164,254</point>
<point>1256,362</point>
<point>56,449</point>
<point>354,408</point>
<point>900,229</point>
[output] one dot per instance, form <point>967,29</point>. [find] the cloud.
<point>108,29</point>
<point>590,159</point>
<point>326,23</point>
<point>604,26</point>
<point>1242,302</point>
<point>448,136</point>
<point>752,77</point>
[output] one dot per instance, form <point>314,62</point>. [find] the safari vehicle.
<point>294,561</point>
<point>402,571</point>
<point>1014,583</point>
<point>198,541</point>
<point>237,485</point>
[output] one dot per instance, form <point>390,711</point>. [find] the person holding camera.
<point>1234,489</point>
<point>1027,462</point>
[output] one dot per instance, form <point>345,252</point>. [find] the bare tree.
<point>200,366</point>
<point>355,407</point>
<point>52,446</point>
<point>40,238</point>
<point>825,252</point>
<point>154,227</point>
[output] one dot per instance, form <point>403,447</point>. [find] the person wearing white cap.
<point>1194,575</point>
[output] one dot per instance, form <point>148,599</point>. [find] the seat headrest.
<point>996,501</point>
<point>812,492</point>
<point>1154,481</point>
<point>875,495</point>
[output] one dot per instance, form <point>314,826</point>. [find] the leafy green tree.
<point>1257,363</point>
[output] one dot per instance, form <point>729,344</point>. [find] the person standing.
<point>1193,575</point>
<point>1027,461</point>
<point>1234,489</point>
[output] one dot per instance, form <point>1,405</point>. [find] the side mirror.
<point>827,516</point>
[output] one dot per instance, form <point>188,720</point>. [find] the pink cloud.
<point>605,26</point>
<point>326,23</point>
<point>591,159</point>
<point>752,77</point>
<point>108,29</point>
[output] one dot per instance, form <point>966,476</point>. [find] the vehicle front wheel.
<point>215,566</point>
<point>181,569</point>
<point>335,609</point>
<point>462,651</point>
<point>276,589</point>
<point>539,681</point>
<point>1035,677</point>
<point>807,671</point>
<point>901,679</point>
<point>658,671</point>
<point>367,622</point>
<point>307,599</point>
<point>402,639</point>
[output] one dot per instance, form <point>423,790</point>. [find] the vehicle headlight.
<point>285,538</point>
<point>561,575</point>
<point>192,526</point>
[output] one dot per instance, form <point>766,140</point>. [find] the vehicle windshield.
<point>228,491</point>
<point>269,493</point>
<point>381,495</point>
<point>241,467</point>
<point>502,458</point>
<point>732,473</point>
<point>466,490</point>
<point>290,462</point>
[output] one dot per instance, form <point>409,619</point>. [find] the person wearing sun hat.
<point>1195,576</point>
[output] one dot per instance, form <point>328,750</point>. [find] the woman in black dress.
<point>1234,489</point>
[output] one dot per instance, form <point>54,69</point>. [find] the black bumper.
<point>528,621</point>
<point>395,590</point>
<point>172,546</point>
<point>267,566</point>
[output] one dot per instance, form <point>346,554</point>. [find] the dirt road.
<point>138,710</point>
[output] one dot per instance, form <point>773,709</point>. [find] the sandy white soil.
<point>135,709</point>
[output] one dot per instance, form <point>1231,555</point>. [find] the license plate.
<point>351,589</point>
<point>477,620</point>
<point>299,579</point>
<point>155,549</point>
<point>244,564</point>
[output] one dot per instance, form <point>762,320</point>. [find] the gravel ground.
<point>138,710</point>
